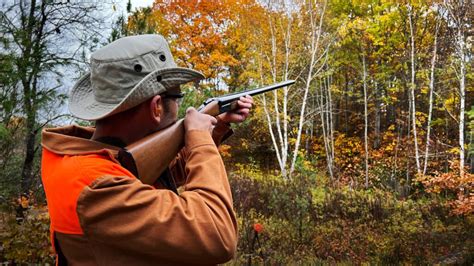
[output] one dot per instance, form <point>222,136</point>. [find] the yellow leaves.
<point>449,102</point>
<point>345,29</point>
<point>225,150</point>
<point>244,145</point>
<point>390,147</point>
<point>379,42</point>
<point>454,150</point>
<point>424,90</point>
<point>318,195</point>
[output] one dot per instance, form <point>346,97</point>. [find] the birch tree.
<point>315,38</point>
<point>278,121</point>
<point>366,122</point>
<point>413,87</point>
<point>324,109</point>
<point>458,11</point>
<point>280,141</point>
<point>432,89</point>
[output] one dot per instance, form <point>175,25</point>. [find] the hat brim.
<point>82,103</point>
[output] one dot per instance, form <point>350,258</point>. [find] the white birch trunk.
<point>270,127</point>
<point>458,18</point>
<point>278,143</point>
<point>462,92</point>
<point>272,135</point>
<point>412,88</point>
<point>366,125</point>
<point>330,117</point>
<point>430,108</point>
<point>275,94</point>
<point>323,114</point>
<point>329,124</point>
<point>285,89</point>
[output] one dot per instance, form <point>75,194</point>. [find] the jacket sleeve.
<point>198,225</point>
<point>221,132</point>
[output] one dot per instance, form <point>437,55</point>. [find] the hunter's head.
<point>133,83</point>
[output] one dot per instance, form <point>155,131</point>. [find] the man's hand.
<point>240,114</point>
<point>197,121</point>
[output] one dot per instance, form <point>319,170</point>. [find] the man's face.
<point>170,103</point>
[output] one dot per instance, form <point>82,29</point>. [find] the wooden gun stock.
<point>149,157</point>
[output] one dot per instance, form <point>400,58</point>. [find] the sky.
<point>136,3</point>
<point>140,3</point>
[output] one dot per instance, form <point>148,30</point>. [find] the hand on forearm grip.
<point>240,114</point>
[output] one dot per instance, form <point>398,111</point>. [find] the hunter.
<point>101,214</point>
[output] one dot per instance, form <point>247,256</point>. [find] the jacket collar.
<point>75,140</point>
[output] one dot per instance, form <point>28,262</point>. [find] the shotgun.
<point>140,157</point>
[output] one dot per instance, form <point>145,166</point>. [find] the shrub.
<point>306,223</point>
<point>28,242</point>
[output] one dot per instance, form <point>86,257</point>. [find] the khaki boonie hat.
<point>126,73</point>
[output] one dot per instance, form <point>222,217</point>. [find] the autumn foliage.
<point>458,190</point>
<point>343,179</point>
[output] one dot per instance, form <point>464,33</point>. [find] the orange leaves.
<point>464,205</point>
<point>460,188</point>
<point>197,30</point>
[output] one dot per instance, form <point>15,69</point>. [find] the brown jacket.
<point>102,215</point>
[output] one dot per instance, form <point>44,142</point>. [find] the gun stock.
<point>149,157</point>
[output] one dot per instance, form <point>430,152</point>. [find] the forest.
<point>367,158</point>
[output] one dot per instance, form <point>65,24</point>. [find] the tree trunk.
<point>430,104</point>
<point>323,115</point>
<point>28,67</point>
<point>412,88</point>
<point>330,116</point>
<point>462,99</point>
<point>366,124</point>
<point>346,103</point>
<point>27,171</point>
<point>377,117</point>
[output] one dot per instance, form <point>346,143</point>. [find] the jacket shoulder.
<point>65,177</point>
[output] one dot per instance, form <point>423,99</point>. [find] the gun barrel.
<point>235,96</point>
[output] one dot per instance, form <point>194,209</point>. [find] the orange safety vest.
<point>64,179</point>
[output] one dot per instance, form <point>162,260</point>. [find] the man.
<point>101,214</point>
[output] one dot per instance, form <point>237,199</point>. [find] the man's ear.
<point>156,106</point>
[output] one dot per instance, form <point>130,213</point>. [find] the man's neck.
<point>123,134</point>
<point>112,141</point>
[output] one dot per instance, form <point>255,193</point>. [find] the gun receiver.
<point>149,157</point>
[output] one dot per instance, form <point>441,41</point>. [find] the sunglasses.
<point>178,97</point>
